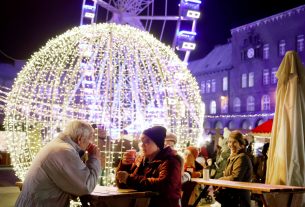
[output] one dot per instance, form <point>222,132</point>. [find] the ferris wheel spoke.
<point>107,6</point>
<point>146,5</point>
<point>143,14</point>
<point>158,18</point>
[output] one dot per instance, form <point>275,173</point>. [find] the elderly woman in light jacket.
<point>58,173</point>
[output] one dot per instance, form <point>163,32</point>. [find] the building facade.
<point>238,80</point>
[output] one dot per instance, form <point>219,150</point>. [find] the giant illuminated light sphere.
<point>108,74</point>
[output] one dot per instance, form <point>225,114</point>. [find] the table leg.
<point>263,198</point>
<point>289,199</point>
<point>203,194</point>
<point>295,199</point>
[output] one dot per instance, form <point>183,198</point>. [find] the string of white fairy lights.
<point>239,115</point>
<point>110,75</point>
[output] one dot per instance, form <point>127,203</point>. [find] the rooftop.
<point>219,58</point>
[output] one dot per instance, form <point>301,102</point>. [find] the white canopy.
<point>286,156</point>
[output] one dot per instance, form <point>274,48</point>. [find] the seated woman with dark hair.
<point>239,168</point>
<point>158,170</point>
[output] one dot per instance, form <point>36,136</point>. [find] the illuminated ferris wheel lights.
<point>89,15</point>
<point>186,41</point>
<point>187,46</point>
<point>193,14</point>
<point>88,11</point>
<point>193,1</point>
<point>190,34</point>
<point>190,9</point>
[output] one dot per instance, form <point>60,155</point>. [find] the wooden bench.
<point>271,195</point>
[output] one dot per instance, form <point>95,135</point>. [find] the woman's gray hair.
<point>77,128</point>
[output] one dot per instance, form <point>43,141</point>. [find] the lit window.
<point>202,86</point>
<point>250,103</point>
<point>218,125</point>
<point>244,80</point>
<point>266,51</point>
<point>300,43</point>
<point>213,107</point>
<point>213,85</point>
<point>225,83</point>
<point>266,77</point>
<point>273,76</point>
<point>265,103</point>
<point>224,104</point>
<point>282,47</point>
<point>208,86</point>
<point>236,104</point>
<point>251,79</point>
<point>245,125</point>
<point>231,125</point>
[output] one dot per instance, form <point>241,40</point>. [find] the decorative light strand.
<point>111,75</point>
<point>238,116</point>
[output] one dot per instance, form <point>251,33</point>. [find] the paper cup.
<point>206,174</point>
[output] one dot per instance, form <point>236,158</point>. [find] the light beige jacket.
<point>239,168</point>
<point>56,174</point>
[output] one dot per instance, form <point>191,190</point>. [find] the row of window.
<point>269,76</point>
<point>282,47</point>
<point>300,47</point>
<point>209,86</point>
<point>265,104</point>
<point>247,80</point>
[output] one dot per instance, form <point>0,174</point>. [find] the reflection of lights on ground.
<point>110,75</point>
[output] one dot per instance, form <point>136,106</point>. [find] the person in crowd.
<point>203,151</point>
<point>159,169</point>
<point>260,165</point>
<point>239,168</point>
<point>259,170</point>
<point>223,153</point>
<point>57,173</point>
<point>248,149</point>
<point>190,164</point>
<point>194,169</point>
<point>170,141</point>
<point>249,145</point>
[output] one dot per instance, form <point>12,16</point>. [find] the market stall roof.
<point>264,128</point>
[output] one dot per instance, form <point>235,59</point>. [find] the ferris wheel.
<point>173,24</point>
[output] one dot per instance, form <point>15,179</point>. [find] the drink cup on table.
<point>129,156</point>
<point>206,174</point>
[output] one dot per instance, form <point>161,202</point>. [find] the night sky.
<point>27,25</point>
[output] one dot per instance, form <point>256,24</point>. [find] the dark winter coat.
<point>162,175</point>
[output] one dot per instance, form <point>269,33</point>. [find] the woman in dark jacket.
<point>158,170</point>
<point>239,168</point>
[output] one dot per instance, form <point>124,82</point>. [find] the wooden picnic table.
<point>271,195</point>
<point>105,196</point>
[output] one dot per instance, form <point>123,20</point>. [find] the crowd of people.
<point>233,160</point>
<point>59,173</point>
